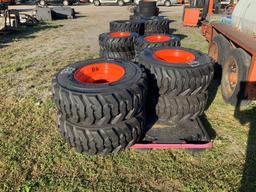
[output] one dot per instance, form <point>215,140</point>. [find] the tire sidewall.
<point>127,25</point>
<point>120,3</point>
<point>223,47</point>
<point>167,3</point>
<point>96,2</point>
<point>42,2</point>
<point>242,76</point>
<point>65,3</point>
<point>109,43</point>
<point>66,80</point>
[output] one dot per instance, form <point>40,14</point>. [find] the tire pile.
<point>178,82</point>
<point>102,103</point>
<point>128,37</point>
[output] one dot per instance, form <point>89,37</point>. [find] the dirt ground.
<point>91,22</point>
<point>33,155</point>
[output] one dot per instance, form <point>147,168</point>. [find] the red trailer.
<point>233,47</point>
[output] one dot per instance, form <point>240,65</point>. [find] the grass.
<point>34,157</point>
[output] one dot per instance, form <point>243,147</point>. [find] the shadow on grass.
<point>214,85</point>
<point>248,116</point>
<point>24,33</point>
<point>248,182</point>
<point>181,36</point>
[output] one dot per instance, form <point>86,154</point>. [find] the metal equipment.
<point>233,47</point>
<point>199,10</point>
<point>9,20</point>
<point>12,20</point>
<point>54,13</point>
<point>188,134</point>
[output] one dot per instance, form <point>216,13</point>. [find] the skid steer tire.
<point>117,41</point>
<point>157,24</point>
<point>176,109</point>
<point>149,4</point>
<point>186,72</point>
<point>149,13</point>
<point>155,40</point>
<point>127,26</point>
<point>126,56</point>
<point>137,17</point>
<point>102,140</point>
<point>100,91</point>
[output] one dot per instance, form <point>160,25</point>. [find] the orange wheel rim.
<point>157,38</point>
<point>119,34</point>
<point>174,55</point>
<point>99,73</point>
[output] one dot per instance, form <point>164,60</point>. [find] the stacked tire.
<point>147,12</point>
<point>155,24</point>
<point>117,45</point>
<point>101,104</point>
<point>146,9</point>
<point>120,42</point>
<point>155,40</point>
<point>127,26</point>
<point>178,82</point>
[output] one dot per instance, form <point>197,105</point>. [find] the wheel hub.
<point>157,38</point>
<point>99,73</point>
<point>119,34</point>
<point>174,55</point>
<point>233,76</point>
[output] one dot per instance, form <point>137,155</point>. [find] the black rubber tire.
<point>149,13</point>
<point>66,3</point>
<point>243,61</point>
<point>223,46</point>
<point>167,3</point>
<point>147,4</point>
<point>205,9</point>
<point>200,3</point>
<point>138,17</point>
<point>117,44</point>
<point>157,25</point>
<point>96,3</point>
<point>127,25</point>
<point>126,56</point>
<point>102,140</point>
<point>141,43</point>
<point>120,3</point>
<point>147,9</point>
<point>181,108</point>
<point>42,3</point>
<point>177,79</point>
<point>135,17</point>
<point>100,104</point>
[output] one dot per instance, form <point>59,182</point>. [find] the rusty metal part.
<point>213,51</point>
<point>242,40</point>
